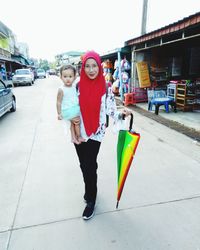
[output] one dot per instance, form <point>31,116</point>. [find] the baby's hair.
<point>67,66</point>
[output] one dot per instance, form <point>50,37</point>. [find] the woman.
<point>95,102</point>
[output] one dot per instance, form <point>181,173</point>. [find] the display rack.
<point>185,97</point>
<point>159,76</point>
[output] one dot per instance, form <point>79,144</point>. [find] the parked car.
<point>52,72</point>
<point>41,73</point>
<point>7,99</point>
<point>23,77</point>
<point>34,73</point>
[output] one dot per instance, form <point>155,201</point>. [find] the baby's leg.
<point>76,122</point>
<point>73,133</point>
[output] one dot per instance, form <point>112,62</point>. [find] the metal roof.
<point>73,53</point>
<point>113,53</point>
<point>180,25</point>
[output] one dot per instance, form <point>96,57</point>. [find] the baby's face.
<point>68,77</point>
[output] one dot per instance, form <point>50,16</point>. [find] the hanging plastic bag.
<point>119,125</point>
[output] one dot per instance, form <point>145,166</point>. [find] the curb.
<point>192,133</point>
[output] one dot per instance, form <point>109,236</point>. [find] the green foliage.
<point>52,65</point>
<point>44,64</point>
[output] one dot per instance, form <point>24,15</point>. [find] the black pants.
<point>87,153</point>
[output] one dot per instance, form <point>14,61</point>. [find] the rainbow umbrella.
<point>126,147</point>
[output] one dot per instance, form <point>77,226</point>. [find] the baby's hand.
<point>59,117</point>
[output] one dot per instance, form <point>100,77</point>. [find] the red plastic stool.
<point>129,99</point>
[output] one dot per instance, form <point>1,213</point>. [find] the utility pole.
<point>144,17</point>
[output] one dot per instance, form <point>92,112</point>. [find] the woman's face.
<point>91,68</point>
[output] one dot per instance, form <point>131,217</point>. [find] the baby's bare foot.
<point>80,139</point>
<point>75,141</point>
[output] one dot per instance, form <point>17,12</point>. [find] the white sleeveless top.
<point>70,97</point>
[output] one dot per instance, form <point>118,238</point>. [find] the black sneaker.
<point>88,212</point>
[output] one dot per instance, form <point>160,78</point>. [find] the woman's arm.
<point>111,108</point>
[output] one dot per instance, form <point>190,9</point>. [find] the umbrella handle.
<point>131,122</point>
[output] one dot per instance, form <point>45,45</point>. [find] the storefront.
<point>10,58</point>
<point>172,54</point>
<point>9,65</point>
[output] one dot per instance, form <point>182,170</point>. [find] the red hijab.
<point>91,92</point>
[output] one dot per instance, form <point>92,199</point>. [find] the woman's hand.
<point>126,113</point>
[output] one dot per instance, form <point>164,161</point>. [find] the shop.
<point>117,70</point>
<point>5,58</point>
<point>10,58</point>
<point>9,65</point>
<point>172,55</point>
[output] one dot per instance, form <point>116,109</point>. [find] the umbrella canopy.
<point>126,147</point>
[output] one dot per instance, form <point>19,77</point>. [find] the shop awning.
<point>113,53</point>
<point>20,59</point>
<point>188,23</point>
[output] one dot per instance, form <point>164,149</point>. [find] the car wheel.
<point>13,109</point>
<point>15,85</point>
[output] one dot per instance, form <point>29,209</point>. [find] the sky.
<point>53,27</point>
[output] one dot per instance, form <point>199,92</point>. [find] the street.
<point>41,187</point>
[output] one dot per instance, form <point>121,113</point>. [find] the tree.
<point>44,64</point>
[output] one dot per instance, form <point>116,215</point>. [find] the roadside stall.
<point>172,58</point>
<point>117,70</point>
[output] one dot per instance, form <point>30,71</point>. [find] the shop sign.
<point>143,74</point>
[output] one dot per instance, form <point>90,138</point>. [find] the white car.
<point>23,77</point>
<point>41,73</point>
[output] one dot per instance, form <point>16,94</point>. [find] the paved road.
<point>41,185</point>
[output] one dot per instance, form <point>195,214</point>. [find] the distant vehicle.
<point>52,72</point>
<point>23,77</point>
<point>34,73</point>
<point>7,99</point>
<point>41,73</point>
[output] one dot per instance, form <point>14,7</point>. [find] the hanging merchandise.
<point>125,77</point>
<point>115,87</point>
<point>108,77</point>
<point>116,74</point>
<point>125,81</point>
<point>116,64</point>
<point>107,66</point>
<point>125,65</point>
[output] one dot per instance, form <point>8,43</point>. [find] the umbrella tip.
<point>117,204</point>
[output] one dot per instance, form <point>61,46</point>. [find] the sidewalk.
<point>187,123</point>
<point>188,119</point>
